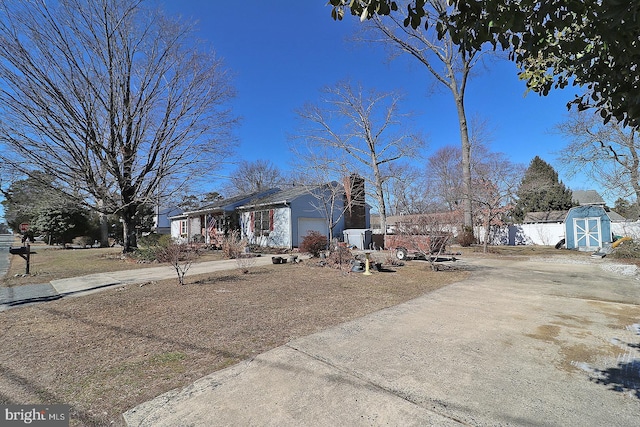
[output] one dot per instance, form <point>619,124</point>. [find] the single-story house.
<point>283,218</point>
<point>211,222</point>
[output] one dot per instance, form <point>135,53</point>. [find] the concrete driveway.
<point>541,342</point>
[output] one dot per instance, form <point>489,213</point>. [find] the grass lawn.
<point>51,263</point>
<point>107,352</point>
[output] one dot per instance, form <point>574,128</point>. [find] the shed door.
<point>587,232</point>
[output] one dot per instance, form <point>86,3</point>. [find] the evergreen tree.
<point>541,191</point>
<point>33,200</point>
<point>627,209</point>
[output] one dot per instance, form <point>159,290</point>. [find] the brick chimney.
<point>354,217</point>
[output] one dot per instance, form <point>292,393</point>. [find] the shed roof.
<point>615,216</point>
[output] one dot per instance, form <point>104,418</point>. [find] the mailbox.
<point>20,250</point>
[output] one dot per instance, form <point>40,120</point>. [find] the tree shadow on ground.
<point>623,378</point>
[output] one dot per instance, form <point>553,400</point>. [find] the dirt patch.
<point>547,333</point>
<point>622,315</point>
<point>574,356</point>
<point>105,353</point>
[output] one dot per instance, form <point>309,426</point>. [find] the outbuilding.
<point>587,228</point>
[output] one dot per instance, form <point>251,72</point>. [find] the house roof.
<point>538,217</point>
<point>587,197</point>
<point>229,204</point>
<point>561,216</point>
<point>282,196</point>
<point>615,216</point>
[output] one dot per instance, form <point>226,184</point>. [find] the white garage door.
<point>305,225</point>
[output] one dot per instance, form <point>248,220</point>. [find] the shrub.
<point>466,238</point>
<point>627,250</point>
<point>313,243</point>
<point>83,241</point>
<point>232,245</point>
<point>340,258</point>
<point>180,256</point>
<point>151,247</point>
<point>149,240</point>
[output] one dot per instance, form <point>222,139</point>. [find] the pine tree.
<point>541,191</point>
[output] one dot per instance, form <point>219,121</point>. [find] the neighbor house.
<point>162,218</point>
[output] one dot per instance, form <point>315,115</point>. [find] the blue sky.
<point>282,53</point>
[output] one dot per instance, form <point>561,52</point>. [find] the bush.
<point>232,245</point>
<point>83,241</point>
<point>149,240</point>
<point>340,258</point>
<point>627,250</point>
<point>313,243</point>
<point>152,247</point>
<point>466,238</point>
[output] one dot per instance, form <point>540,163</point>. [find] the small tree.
<point>428,235</point>
<point>494,184</point>
<point>180,256</point>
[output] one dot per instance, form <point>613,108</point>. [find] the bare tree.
<point>406,193</point>
<point>495,181</point>
<point>352,130</point>
<point>115,100</point>
<point>444,61</point>
<point>425,235</point>
<point>609,154</point>
<point>254,176</point>
<point>334,200</point>
<point>181,256</point>
<point>444,178</point>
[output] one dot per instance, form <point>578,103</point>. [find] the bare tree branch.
<point>351,130</point>
<point>113,99</point>
<point>609,153</point>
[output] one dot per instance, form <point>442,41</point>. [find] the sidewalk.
<point>518,343</point>
<point>84,285</point>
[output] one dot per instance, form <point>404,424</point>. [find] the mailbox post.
<point>24,252</point>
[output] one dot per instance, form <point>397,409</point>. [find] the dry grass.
<point>105,353</point>
<point>50,263</point>
<point>523,251</point>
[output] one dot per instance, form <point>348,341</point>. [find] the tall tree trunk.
<point>466,162</point>
<point>382,206</point>
<point>104,231</point>
<point>129,243</point>
<point>104,225</point>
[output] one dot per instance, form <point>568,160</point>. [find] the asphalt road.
<point>5,242</point>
